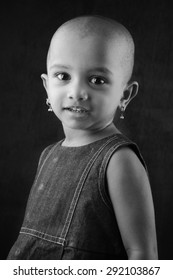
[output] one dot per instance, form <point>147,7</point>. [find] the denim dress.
<point>69,214</point>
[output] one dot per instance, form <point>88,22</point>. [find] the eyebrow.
<point>104,70</point>
<point>60,66</point>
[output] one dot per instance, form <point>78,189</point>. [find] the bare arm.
<point>131,197</point>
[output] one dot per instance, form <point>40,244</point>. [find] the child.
<point>91,198</point>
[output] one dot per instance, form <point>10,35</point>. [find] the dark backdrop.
<point>26,127</point>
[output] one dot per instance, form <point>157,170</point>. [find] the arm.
<point>131,197</point>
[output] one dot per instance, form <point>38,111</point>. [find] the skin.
<point>89,65</point>
<point>80,56</point>
<point>131,197</point>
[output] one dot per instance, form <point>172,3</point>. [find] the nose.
<point>77,92</point>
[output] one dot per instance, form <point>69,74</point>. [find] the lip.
<point>76,107</point>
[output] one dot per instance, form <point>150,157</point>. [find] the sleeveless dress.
<point>69,214</point>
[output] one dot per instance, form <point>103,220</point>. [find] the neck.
<point>74,137</point>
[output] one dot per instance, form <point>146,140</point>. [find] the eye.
<point>63,76</point>
<point>97,80</point>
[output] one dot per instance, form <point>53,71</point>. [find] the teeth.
<point>77,110</point>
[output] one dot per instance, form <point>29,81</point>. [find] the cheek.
<point>108,100</point>
<point>116,95</point>
<point>55,93</point>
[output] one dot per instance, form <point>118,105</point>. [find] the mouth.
<point>76,109</point>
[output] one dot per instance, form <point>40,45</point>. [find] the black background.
<point>26,127</point>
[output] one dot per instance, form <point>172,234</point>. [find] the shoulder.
<point>125,158</point>
<point>45,153</point>
<point>125,172</point>
<point>47,150</point>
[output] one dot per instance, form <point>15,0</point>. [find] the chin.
<point>75,126</point>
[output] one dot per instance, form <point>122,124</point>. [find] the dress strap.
<point>123,142</point>
<point>81,184</point>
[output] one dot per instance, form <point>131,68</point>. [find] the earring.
<point>122,112</point>
<point>49,105</point>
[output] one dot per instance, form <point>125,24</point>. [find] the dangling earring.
<point>49,105</point>
<point>122,112</point>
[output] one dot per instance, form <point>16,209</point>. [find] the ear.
<point>45,81</point>
<point>129,93</point>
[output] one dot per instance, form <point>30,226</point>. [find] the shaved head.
<point>107,29</point>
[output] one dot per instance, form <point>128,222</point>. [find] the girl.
<point>91,198</point>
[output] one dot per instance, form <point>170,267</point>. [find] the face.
<point>84,81</point>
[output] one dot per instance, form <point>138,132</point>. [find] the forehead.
<point>70,46</point>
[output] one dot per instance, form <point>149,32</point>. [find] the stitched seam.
<point>39,232</point>
<point>79,188</point>
<point>43,238</point>
<point>43,153</point>
<point>103,170</point>
<point>42,235</point>
<point>41,167</point>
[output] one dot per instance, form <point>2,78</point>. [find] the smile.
<point>76,109</point>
